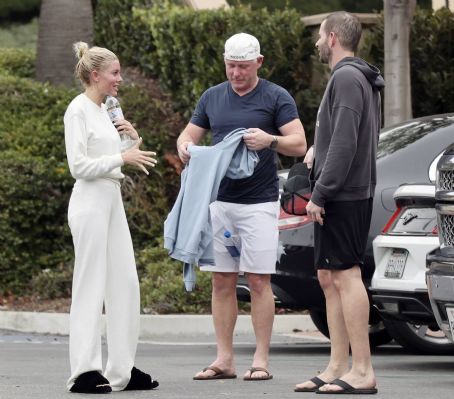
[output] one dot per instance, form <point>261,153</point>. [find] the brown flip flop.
<point>218,374</point>
<point>252,370</point>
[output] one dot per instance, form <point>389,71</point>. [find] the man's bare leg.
<point>338,363</point>
<point>224,309</point>
<point>262,313</point>
<point>355,308</point>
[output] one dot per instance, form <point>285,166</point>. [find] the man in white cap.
<point>249,207</point>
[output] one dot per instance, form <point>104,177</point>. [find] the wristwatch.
<point>274,143</point>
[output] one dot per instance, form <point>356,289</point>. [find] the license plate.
<point>396,263</point>
<point>450,312</point>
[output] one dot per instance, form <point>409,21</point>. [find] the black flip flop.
<point>318,383</point>
<point>347,389</point>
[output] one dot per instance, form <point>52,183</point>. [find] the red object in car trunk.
<point>289,221</point>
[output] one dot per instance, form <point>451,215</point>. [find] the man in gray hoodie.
<point>343,178</point>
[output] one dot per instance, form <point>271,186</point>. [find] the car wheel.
<point>377,331</point>
<point>420,338</point>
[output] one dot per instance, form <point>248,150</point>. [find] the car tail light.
<point>287,221</point>
<point>391,220</point>
<point>408,220</point>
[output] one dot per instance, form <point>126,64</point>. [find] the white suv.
<point>398,285</point>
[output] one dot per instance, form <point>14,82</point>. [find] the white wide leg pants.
<point>104,273</point>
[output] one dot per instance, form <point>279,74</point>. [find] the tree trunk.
<point>398,15</point>
<point>61,23</point>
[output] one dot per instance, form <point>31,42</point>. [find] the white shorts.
<point>255,229</point>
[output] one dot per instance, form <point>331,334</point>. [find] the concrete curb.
<point>150,325</point>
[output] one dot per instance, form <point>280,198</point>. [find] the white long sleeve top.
<point>93,145</point>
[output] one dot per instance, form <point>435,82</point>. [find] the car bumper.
<point>405,298</point>
<point>411,307</point>
<point>414,274</point>
<point>440,284</point>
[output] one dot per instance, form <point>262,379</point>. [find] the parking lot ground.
<point>36,366</point>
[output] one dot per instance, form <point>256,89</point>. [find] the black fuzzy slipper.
<point>91,382</point>
<point>140,381</point>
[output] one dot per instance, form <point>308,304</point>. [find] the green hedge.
<point>162,289</point>
<point>12,9</point>
<point>33,232</point>
<point>34,183</point>
<point>17,62</point>
<point>117,29</point>
<point>183,48</point>
<point>20,35</point>
<point>431,60</point>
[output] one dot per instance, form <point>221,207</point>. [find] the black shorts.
<point>341,242</point>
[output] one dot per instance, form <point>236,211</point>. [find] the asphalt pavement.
<point>36,366</point>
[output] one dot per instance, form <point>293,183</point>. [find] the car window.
<point>400,136</point>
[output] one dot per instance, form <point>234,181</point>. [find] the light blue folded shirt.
<point>187,230</point>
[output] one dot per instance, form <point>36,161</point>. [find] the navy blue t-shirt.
<point>267,107</point>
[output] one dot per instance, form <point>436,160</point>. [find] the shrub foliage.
<point>18,9</point>
<point>17,62</point>
<point>431,60</point>
<point>162,289</point>
<point>34,183</point>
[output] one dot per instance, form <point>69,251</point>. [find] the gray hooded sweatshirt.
<point>346,134</point>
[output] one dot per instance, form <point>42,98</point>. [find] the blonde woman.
<point>105,270</point>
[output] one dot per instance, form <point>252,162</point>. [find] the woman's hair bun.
<point>80,48</point>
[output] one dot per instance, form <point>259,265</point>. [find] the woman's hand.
<point>139,158</point>
<point>125,127</point>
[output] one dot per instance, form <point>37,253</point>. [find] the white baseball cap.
<point>242,47</point>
